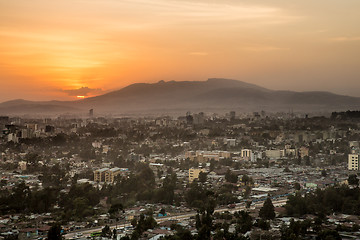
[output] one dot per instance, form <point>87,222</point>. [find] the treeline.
<point>78,203</point>
<point>345,115</point>
<point>340,199</point>
<point>21,199</point>
<point>141,186</point>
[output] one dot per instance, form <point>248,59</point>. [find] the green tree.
<point>246,179</point>
<point>244,222</point>
<point>247,191</point>
<point>267,211</point>
<point>202,177</point>
<point>231,177</point>
<point>142,225</point>
<point>353,180</point>
<point>106,232</point>
<point>55,232</point>
<point>328,235</point>
<point>297,186</point>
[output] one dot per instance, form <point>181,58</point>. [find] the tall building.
<point>99,175</point>
<point>111,174</point>
<point>199,118</point>
<point>246,153</point>
<point>232,115</point>
<point>91,113</point>
<point>107,175</point>
<point>353,162</point>
<point>194,173</point>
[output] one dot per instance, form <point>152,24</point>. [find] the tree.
<point>246,179</point>
<point>106,232</point>
<point>231,177</point>
<point>297,186</point>
<point>263,224</point>
<point>202,177</point>
<point>115,208</point>
<point>55,232</point>
<point>267,211</point>
<point>244,222</point>
<point>353,180</point>
<point>247,192</point>
<point>162,211</point>
<point>328,234</point>
<point>142,225</point>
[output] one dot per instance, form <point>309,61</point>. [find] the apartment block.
<point>353,162</point>
<point>194,173</point>
<point>106,175</point>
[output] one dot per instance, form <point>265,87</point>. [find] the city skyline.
<point>62,50</point>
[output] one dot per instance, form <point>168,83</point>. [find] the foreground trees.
<point>267,211</point>
<point>340,199</point>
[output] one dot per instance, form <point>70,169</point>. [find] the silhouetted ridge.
<point>215,94</point>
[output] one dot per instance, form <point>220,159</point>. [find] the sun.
<point>80,97</point>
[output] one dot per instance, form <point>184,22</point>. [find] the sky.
<point>68,49</point>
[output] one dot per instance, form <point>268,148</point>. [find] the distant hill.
<point>215,94</point>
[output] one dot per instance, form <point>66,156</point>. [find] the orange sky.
<point>51,49</point>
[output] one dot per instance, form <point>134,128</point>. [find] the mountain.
<point>215,94</point>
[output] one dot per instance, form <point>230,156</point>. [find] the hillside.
<point>212,95</point>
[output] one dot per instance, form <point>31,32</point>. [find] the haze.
<point>73,48</point>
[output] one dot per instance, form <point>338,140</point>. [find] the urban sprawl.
<point>198,176</point>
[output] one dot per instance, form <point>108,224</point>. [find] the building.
<point>246,153</point>
<point>194,173</point>
<point>199,118</point>
<point>354,144</point>
<point>275,153</point>
<point>22,165</point>
<point>291,152</point>
<point>230,142</point>
<point>107,175</point>
<point>232,115</point>
<point>99,175</point>
<point>207,156</point>
<point>96,144</point>
<point>304,152</point>
<point>111,174</point>
<point>353,162</point>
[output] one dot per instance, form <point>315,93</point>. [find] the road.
<point>239,207</point>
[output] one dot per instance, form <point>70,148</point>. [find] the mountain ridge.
<point>213,94</point>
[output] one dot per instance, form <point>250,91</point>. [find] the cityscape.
<point>179,120</point>
<point>198,176</point>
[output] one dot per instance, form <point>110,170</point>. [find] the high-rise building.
<point>99,175</point>
<point>106,175</point>
<point>194,173</point>
<point>246,153</point>
<point>91,113</point>
<point>232,115</point>
<point>353,162</point>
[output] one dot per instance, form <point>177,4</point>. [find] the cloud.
<point>199,53</point>
<point>345,39</point>
<point>175,11</point>
<point>264,48</point>
<point>83,91</point>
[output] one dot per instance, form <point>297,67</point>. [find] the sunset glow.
<point>99,46</point>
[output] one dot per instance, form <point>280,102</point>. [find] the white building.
<point>230,142</point>
<point>275,153</point>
